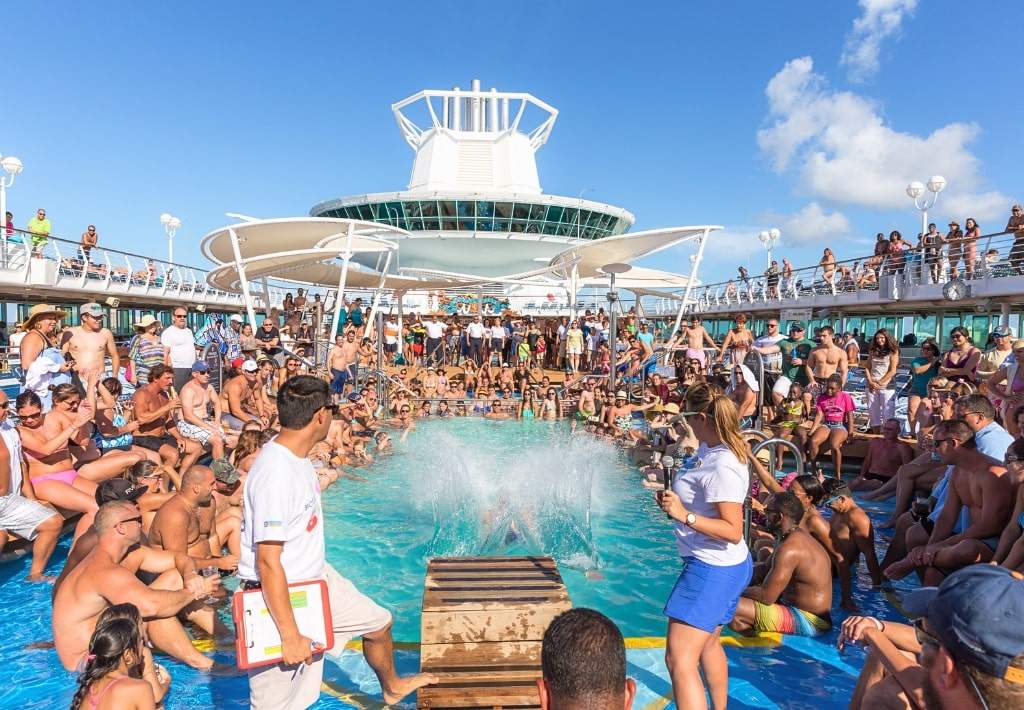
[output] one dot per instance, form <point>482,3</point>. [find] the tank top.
<point>949,362</point>
<point>879,366</point>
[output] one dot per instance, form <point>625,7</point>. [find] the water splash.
<point>531,499</point>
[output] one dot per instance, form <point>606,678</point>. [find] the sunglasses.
<point>5,405</point>
<point>923,636</point>
<point>131,520</point>
<point>831,500</point>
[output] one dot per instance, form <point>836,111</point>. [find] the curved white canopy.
<point>625,248</point>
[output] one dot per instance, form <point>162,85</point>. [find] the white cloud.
<point>813,225</point>
<point>844,152</point>
<point>878,21</point>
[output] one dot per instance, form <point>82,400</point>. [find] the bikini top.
<point>94,701</point>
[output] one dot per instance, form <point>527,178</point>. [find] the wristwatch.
<point>691,519</point>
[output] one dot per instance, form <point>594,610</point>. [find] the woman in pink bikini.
<point>118,671</point>
<point>44,440</point>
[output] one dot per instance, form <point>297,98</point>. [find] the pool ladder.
<point>764,442</point>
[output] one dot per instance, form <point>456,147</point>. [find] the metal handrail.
<point>770,444</point>
<point>846,274</point>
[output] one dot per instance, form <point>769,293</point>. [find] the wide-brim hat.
<point>42,309</point>
<point>146,321</point>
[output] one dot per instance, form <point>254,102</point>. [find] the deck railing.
<point>995,258</point>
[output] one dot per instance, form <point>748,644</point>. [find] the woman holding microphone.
<point>706,503</point>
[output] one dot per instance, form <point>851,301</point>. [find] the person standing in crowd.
<point>90,343</point>
<point>391,336</point>
<point>435,337</point>
<point>180,341</point>
<point>707,506</point>
<point>283,541</point>
<point>879,377</point>
<point>970,252</point>
<point>146,350</point>
<point>583,664</point>
<point>233,338</point>
<point>42,361</point>
<point>475,332</point>
<point>992,359</point>
<point>1016,225</point>
<point>89,239</point>
<point>39,227</point>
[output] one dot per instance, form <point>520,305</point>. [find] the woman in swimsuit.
<point>50,468</point>
<point>960,363</point>
<point>738,341</point>
<point>550,407</point>
<point>1008,384</point>
<point>527,406</point>
<point>118,671</point>
<point>828,266</point>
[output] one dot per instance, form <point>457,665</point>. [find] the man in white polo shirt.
<point>283,542</point>
<point>181,341</point>
<point>476,331</point>
<point>435,334</point>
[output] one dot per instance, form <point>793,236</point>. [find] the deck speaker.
<point>113,302</point>
<point>201,308</point>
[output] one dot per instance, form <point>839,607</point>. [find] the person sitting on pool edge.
<point>796,595</point>
<point>852,534</point>
<point>583,664</point>
<point>884,458</point>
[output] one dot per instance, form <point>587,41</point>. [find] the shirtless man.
<point>241,401</point>
<point>106,576</point>
<point>153,408</point>
<point>825,360</point>
<point>978,483</point>
<point>796,595</point>
<point>694,336</point>
<point>90,342</point>
<point>884,458</point>
<point>852,535</point>
<point>620,414</point>
<point>196,424</point>
<point>341,361</point>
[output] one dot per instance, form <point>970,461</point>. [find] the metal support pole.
<point>400,295</point>
<point>1004,315</point>
<point>244,282</point>
<point>376,299</point>
<point>574,289</point>
<point>339,299</point>
<point>689,283</point>
<point>613,333</point>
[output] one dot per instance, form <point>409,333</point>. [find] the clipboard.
<point>257,641</point>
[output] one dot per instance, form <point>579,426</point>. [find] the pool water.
<point>472,486</point>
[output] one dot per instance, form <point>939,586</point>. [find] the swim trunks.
<point>194,432</point>
<point>877,477</point>
<point>784,619</point>
<point>22,516</point>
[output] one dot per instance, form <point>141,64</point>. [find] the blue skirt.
<point>705,595</point>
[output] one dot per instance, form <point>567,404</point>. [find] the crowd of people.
<point>933,257</point>
<point>176,483</point>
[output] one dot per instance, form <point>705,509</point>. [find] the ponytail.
<point>110,641</point>
<point>721,411</point>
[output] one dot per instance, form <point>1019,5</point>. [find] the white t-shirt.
<point>435,328</point>
<point>720,478</point>
<point>497,332</point>
<point>475,330</point>
<point>16,339</point>
<point>281,502</point>
<point>391,333</point>
<point>182,344</point>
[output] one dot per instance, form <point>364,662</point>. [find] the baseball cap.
<point>978,615</point>
<point>237,362</point>
<point>118,489</point>
<point>200,366</point>
<point>1002,331</point>
<point>796,325</point>
<point>250,366</point>
<point>235,318</point>
<point>223,471</point>
<point>91,309</point>
<point>354,397</point>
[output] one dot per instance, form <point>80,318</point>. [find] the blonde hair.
<point>721,411</point>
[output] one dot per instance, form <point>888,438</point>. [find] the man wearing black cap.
<point>795,349</point>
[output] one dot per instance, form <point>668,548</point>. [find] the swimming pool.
<point>471,486</point>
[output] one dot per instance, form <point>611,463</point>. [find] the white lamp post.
<point>171,224</point>
<point>769,238</point>
<point>11,167</point>
<point>915,191</point>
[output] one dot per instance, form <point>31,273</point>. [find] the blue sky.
<point>122,111</point>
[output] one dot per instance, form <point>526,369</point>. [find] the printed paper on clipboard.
<point>257,642</point>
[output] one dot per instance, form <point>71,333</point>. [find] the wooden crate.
<point>482,624</point>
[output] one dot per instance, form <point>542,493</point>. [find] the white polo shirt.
<point>475,330</point>
<point>281,503</point>
<point>435,328</point>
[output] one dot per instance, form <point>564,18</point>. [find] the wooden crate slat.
<point>482,622</point>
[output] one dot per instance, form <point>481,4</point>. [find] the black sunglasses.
<point>131,520</point>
